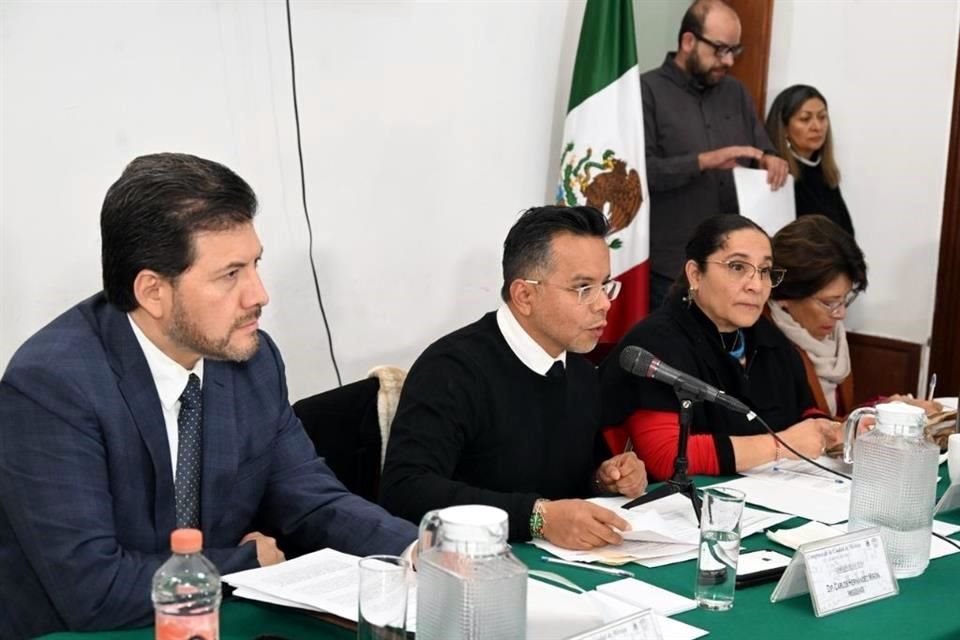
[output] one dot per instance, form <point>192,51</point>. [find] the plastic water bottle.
<point>186,591</point>
<point>894,485</point>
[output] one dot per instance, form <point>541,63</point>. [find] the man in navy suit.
<point>102,451</point>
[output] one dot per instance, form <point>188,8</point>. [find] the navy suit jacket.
<point>86,480</point>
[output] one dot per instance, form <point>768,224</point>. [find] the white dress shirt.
<point>523,346</point>
<point>170,379</point>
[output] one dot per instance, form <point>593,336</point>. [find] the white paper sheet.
<point>553,612</point>
<point>677,513</point>
<point>938,548</point>
<point>793,494</point>
<point>769,209</point>
<point>814,531</point>
<point>325,580</point>
<point>647,596</point>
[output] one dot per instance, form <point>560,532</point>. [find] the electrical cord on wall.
<point>833,471</point>
<point>303,196</point>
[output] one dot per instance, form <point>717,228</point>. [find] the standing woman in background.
<point>799,127</point>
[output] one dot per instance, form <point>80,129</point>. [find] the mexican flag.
<point>602,162</point>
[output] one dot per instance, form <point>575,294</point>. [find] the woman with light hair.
<point>799,127</point>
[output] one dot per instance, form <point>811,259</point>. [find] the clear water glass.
<point>382,602</point>
<point>719,547</point>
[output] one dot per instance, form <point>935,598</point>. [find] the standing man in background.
<point>698,123</point>
<point>159,404</point>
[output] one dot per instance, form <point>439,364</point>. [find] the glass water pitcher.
<point>894,482</point>
<point>469,584</point>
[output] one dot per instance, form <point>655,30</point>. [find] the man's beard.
<point>700,73</point>
<point>188,335</point>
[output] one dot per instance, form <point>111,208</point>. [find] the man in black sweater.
<point>504,412</point>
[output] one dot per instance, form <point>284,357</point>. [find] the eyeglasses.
<point>833,308</point>
<point>588,293</point>
<point>719,48</point>
<point>745,270</point>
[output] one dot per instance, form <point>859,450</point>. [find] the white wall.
<point>427,127</point>
<point>887,70</point>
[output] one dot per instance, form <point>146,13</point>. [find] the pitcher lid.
<point>898,411</point>
<point>900,418</point>
<point>473,522</point>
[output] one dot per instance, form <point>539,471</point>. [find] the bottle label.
<point>205,626</point>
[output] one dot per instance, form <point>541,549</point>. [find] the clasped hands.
<point>726,158</point>
<point>578,524</point>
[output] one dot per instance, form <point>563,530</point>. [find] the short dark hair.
<point>696,17</point>
<point>708,238</point>
<point>152,211</point>
<point>692,21</point>
<point>527,247</point>
<point>814,250</point>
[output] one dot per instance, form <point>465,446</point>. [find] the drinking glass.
<point>719,547</point>
<point>384,584</point>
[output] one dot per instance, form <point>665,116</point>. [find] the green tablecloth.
<point>927,607</point>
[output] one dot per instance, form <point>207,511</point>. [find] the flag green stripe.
<point>607,48</point>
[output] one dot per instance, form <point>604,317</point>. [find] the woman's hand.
<point>811,437</point>
<point>930,407</point>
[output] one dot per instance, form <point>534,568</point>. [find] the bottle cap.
<point>186,541</point>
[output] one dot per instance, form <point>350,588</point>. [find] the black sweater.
<point>813,195</point>
<point>477,426</point>
<point>773,382</point>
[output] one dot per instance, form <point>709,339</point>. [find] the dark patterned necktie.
<point>556,370</point>
<point>189,456</point>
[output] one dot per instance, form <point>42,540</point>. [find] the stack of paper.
<point>553,612</point>
<point>647,596</point>
<point>798,487</point>
<point>327,581</point>
<point>662,532</point>
<point>816,531</point>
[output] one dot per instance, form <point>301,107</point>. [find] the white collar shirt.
<point>170,379</point>
<point>523,346</point>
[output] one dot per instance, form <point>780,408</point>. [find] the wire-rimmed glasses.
<point>588,293</point>
<point>745,270</point>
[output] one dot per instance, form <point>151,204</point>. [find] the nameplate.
<point>637,626</point>
<point>839,573</point>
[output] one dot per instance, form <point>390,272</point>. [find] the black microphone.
<point>641,362</point>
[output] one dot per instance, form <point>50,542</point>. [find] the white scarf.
<point>830,356</point>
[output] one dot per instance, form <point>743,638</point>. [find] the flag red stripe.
<point>631,305</point>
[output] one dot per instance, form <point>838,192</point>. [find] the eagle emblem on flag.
<point>605,183</point>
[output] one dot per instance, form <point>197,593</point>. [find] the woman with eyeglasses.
<point>799,127</point>
<point>825,274</point>
<point>712,327</point>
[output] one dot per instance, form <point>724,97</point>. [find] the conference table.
<point>927,607</point>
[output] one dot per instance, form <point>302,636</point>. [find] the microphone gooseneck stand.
<point>680,482</point>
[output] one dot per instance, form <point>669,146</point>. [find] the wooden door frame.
<point>945,337</point>
<point>756,21</point>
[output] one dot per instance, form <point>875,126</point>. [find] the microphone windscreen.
<point>636,360</point>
